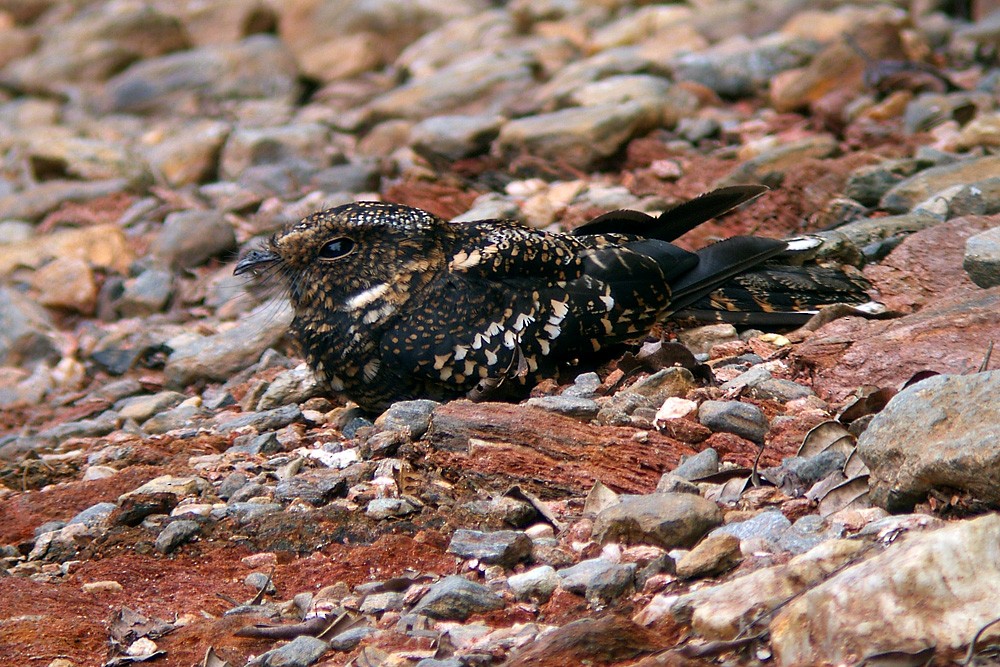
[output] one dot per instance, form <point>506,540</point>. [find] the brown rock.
<point>667,520</point>
<point>594,641</point>
<point>66,283</point>
<point>546,451</point>
<point>713,555</point>
<point>102,246</point>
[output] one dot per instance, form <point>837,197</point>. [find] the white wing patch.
<point>366,297</point>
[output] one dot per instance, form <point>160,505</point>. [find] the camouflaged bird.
<point>393,303</point>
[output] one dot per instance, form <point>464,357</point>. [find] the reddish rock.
<point>591,641</point>
<point>546,452</point>
<point>950,336</point>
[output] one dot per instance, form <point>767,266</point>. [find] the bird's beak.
<point>255,259</point>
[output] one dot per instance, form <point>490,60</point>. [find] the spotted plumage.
<point>392,302</point>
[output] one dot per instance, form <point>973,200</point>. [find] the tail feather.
<point>674,222</point>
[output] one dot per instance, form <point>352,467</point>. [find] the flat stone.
<point>744,419</point>
<point>457,598</point>
<point>147,293</point>
<point>579,408</point>
<point>599,580</point>
<point>220,356</point>
<point>386,508</point>
<point>715,554</point>
<point>667,520</point>
<point>66,283</point>
<point>24,330</point>
<point>251,146</point>
<point>955,418</point>
<point>265,420</point>
<point>578,136</point>
<point>93,515</point>
<point>705,462</point>
<point>924,184</point>
<point>767,525</point>
<point>141,408</point>
<point>177,486</point>
<point>456,137</point>
<point>502,547</point>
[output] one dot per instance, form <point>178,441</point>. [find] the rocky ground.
<point>173,486</point>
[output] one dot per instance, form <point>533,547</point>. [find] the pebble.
<point>141,408</point>
<point>668,520</point>
<point>175,534</point>
<point>571,406</point>
<point>924,184</point>
<point>302,651</point>
<point>455,137</point>
<point>457,598</point>
<point>599,580</point>
<point>501,547</point>
<point>702,464</point>
<point>387,508</point>
<point>265,420</point>
<point>982,258</point>
<point>715,554</point>
<point>66,283</point>
<point>190,238</point>
<point>93,515</point>
<point>413,417</point>
<point>536,584</point>
<point>767,525</point>
<point>744,419</point>
<point>24,330</point>
<point>147,293</point>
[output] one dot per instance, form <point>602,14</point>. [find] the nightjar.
<point>393,303</point>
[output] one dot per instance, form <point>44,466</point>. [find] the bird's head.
<point>359,257</point>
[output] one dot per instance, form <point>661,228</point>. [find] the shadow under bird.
<point>394,303</point>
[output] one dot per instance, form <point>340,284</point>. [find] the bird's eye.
<point>336,248</point>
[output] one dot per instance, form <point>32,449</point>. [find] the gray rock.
<point>93,515</point>
<point>348,639</point>
<point>744,419</point>
<point>535,584</point>
<point>607,63</point>
<point>705,462</point>
<point>668,520</point>
<point>292,386</point>
<point>245,512</point>
<point>141,408</point>
<point>578,137</point>
<point>434,662</point>
<point>101,425</point>
<point>982,258</point>
<point>806,533</point>
<point>671,483</point>
<point>922,185</point>
<point>771,165</point>
<point>502,547</point>
<point>782,391</point>
<point>299,489</point>
<point>490,206</point>
<point>700,340</point>
<point>413,417</point>
<point>252,146</point>
<point>258,581</point>
<point>377,603</point>
<point>189,238</point>
<point>256,443</point>
<point>302,651</point>
<point>257,67</point>
<point>742,67</point>
<point>665,104</point>
<point>180,417</point>
<point>767,525</point>
<point>175,534</point>
<point>147,293</point>
<point>92,45</point>
<point>796,473</point>
<point>457,598</point>
<point>956,421</point>
<point>455,137</point>
<point>358,175</point>
<point>584,385</point>
<point>509,511</point>
<point>599,580</point>
<point>387,508</point>
<point>265,420</point>
<point>24,330</point>
<point>233,482</point>
<point>489,78</point>
<point>963,199</point>
<point>222,355</point>
<point>868,184</point>
<point>749,378</point>
<point>42,199</point>
<point>579,408</point>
